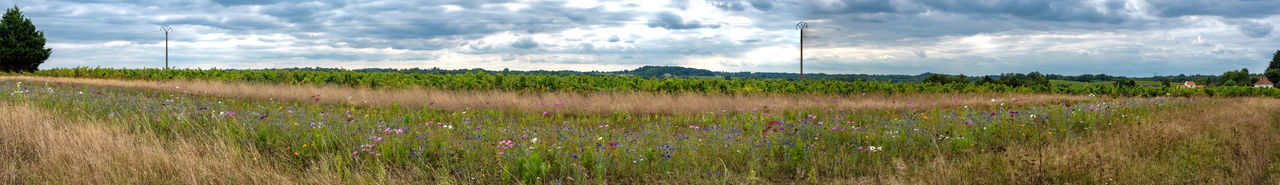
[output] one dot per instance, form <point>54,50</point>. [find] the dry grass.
<point>573,103</point>
<point>37,147</point>
<point>1227,141</point>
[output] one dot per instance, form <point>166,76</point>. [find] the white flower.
<point>534,140</point>
<point>599,138</point>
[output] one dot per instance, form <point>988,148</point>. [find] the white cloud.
<point>1126,37</point>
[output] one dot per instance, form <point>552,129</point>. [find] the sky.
<point>972,37</point>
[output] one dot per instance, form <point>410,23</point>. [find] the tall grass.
<point>542,145</point>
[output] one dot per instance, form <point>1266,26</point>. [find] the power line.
<point>166,45</point>
<point>801,26</point>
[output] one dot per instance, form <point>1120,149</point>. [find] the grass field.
<point>131,132</point>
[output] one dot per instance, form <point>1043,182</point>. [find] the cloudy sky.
<point>975,37</point>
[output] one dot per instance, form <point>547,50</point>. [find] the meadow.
<point>207,132</point>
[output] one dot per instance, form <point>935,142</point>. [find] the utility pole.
<point>801,26</point>
<point>166,29</point>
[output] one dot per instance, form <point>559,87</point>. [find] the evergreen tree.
<point>1275,61</point>
<point>21,45</point>
<point>1272,74</point>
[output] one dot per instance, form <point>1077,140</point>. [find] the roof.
<point>1263,81</point>
<point>1191,83</point>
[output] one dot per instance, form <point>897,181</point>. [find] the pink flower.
<point>968,123</point>
<point>559,103</point>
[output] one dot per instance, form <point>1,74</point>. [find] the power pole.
<point>801,26</point>
<point>166,29</point>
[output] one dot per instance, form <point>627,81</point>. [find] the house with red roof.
<point>1189,84</point>
<point>1263,83</point>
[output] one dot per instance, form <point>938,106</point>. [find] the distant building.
<point>1263,83</point>
<point>1189,84</point>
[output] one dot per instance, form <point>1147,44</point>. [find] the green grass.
<point>505,146</point>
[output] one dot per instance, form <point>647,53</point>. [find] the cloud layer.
<point>1124,37</point>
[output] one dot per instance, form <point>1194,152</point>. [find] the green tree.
<point>1272,74</point>
<point>1240,77</point>
<point>986,79</point>
<point>1275,61</point>
<point>21,45</point>
<point>936,78</point>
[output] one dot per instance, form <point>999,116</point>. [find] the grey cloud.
<point>1225,8</point>
<point>229,22</point>
<point>848,6</point>
<point>671,21</point>
<point>300,12</point>
<point>762,5</point>
<point>680,4</point>
<point>614,38</point>
<point>1254,29</point>
<point>731,5</point>
<point>1049,10</point>
<point>244,2</point>
<point>525,43</point>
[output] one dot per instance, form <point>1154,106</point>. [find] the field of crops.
<point>617,84</point>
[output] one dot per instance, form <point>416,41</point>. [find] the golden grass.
<point>573,102</point>
<point>37,147</point>
<point>1226,141</point>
